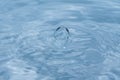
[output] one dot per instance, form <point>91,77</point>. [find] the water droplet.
<point>61,36</point>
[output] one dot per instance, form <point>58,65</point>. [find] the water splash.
<point>61,36</point>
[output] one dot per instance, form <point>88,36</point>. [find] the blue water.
<point>59,40</point>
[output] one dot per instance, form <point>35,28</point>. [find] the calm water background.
<point>59,40</point>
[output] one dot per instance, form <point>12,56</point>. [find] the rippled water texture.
<point>59,40</point>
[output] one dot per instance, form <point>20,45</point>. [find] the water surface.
<point>59,40</point>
